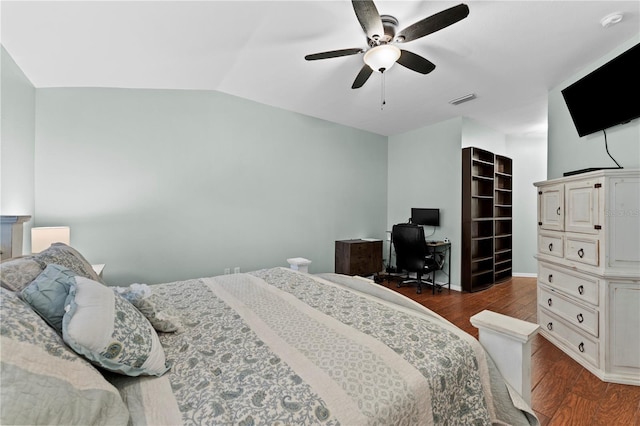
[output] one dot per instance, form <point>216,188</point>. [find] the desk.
<point>444,248</point>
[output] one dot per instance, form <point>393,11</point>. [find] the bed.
<point>273,346</point>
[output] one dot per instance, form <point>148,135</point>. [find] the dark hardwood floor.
<point>563,392</point>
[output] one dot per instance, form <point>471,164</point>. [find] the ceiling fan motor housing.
<point>390,25</point>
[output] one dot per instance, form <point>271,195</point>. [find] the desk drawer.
<point>581,287</point>
<point>551,244</point>
<point>582,250</point>
<point>576,315</point>
<point>581,344</point>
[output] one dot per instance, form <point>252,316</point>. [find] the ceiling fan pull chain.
<point>383,101</point>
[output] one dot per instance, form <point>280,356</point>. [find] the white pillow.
<point>110,332</point>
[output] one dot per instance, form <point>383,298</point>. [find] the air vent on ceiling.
<point>462,99</point>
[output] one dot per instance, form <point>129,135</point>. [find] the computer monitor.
<point>428,217</point>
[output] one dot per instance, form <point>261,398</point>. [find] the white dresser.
<point>589,270</point>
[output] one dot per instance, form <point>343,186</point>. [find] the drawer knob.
<point>550,326</point>
<point>580,253</point>
<point>581,347</point>
<point>550,246</point>
<point>549,302</point>
<point>581,289</point>
<point>580,318</point>
<point>550,278</point>
<point>558,211</point>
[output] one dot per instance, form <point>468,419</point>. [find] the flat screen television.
<point>429,217</point>
<point>606,96</point>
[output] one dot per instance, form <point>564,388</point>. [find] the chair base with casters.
<point>418,281</point>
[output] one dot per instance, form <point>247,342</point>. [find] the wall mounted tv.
<point>429,217</point>
<point>607,96</point>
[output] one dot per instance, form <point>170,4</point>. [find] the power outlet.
<point>236,270</point>
<point>227,271</point>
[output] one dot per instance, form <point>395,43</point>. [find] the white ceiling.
<point>508,53</point>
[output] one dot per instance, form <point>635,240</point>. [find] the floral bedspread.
<point>280,347</point>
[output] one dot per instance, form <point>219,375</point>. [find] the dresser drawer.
<point>582,250</point>
<point>581,344</point>
<point>574,314</point>
<point>581,287</point>
<point>551,244</point>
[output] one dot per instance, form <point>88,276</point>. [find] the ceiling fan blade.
<point>362,77</point>
<point>332,54</point>
<point>433,23</point>
<point>369,18</point>
<point>415,62</point>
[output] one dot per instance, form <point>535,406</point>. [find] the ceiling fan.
<point>382,39</point>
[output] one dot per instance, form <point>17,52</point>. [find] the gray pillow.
<point>64,255</point>
<point>16,274</point>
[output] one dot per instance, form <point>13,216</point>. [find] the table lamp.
<point>43,237</point>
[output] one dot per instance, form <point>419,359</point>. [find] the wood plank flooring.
<point>563,392</point>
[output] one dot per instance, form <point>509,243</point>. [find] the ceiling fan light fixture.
<point>381,58</point>
<point>611,19</point>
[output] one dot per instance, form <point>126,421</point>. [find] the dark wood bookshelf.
<point>487,197</point>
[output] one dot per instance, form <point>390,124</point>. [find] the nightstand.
<point>358,257</point>
<point>98,268</point>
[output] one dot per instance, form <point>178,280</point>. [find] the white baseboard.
<point>525,275</point>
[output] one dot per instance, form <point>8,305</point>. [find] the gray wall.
<point>529,155</point>
<point>568,151</point>
<point>425,171</point>
<point>17,144</point>
<point>480,136</point>
<point>163,185</point>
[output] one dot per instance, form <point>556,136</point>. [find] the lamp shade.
<point>381,58</point>
<point>43,237</point>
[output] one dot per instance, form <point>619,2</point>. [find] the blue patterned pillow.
<point>111,332</point>
<point>48,293</point>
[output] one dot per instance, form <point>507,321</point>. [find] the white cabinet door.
<point>624,326</point>
<point>551,207</point>
<point>583,206</point>
<point>623,224</point>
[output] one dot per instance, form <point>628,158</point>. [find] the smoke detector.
<point>611,19</point>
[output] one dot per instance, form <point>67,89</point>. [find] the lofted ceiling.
<point>509,53</point>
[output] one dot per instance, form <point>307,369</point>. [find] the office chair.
<point>412,254</point>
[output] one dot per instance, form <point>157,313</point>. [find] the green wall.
<point>425,171</point>
<point>529,155</point>
<point>17,144</point>
<point>163,185</point>
<point>568,151</point>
